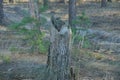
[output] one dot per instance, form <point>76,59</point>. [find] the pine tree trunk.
<point>45,3</point>
<point>34,9</point>
<point>11,1</point>
<point>62,1</point>
<point>1,12</point>
<point>72,12</point>
<point>103,3</point>
<point>109,0</point>
<point>59,55</point>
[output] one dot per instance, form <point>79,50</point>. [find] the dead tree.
<point>59,51</point>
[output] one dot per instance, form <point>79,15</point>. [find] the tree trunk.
<point>109,0</point>
<point>34,9</point>
<point>11,1</point>
<point>45,3</point>
<point>62,1</point>
<point>103,3</point>
<point>59,54</point>
<point>72,12</point>
<point>1,12</point>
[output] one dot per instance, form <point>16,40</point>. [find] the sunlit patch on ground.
<point>3,28</point>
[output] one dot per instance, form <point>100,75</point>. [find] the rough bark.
<point>31,8</point>
<point>103,3</point>
<point>59,54</point>
<point>34,11</point>
<point>1,12</point>
<point>34,8</point>
<point>72,12</point>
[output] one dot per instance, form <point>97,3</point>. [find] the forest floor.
<point>96,65</point>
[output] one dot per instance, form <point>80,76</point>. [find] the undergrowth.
<point>33,35</point>
<point>80,31</point>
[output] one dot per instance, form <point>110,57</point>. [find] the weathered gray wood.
<point>59,53</point>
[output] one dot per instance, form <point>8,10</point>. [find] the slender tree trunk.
<point>1,12</point>
<point>62,1</point>
<point>72,12</point>
<point>37,11</point>
<point>34,9</point>
<point>45,3</point>
<point>11,1</point>
<point>109,0</point>
<point>59,55</point>
<point>103,3</point>
<point>31,8</point>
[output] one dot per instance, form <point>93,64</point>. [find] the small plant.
<point>34,36</point>
<point>38,43</point>
<point>82,21</point>
<point>19,26</point>
<point>5,58</point>
<point>79,34</point>
<point>13,49</point>
<point>43,8</point>
<point>81,40</point>
<point>98,56</point>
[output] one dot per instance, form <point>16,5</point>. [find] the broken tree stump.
<point>59,52</point>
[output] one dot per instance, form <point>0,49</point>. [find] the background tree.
<point>109,0</point>
<point>62,1</point>
<point>34,8</point>
<point>45,3</point>
<point>72,12</point>
<point>1,12</point>
<point>11,1</point>
<point>103,3</point>
<point>35,11</point>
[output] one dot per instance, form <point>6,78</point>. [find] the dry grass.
<point>39,58</point>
